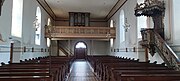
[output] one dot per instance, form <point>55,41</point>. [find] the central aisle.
<point>81,71</point>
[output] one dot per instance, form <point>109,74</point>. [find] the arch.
<point>38,26</point>
<point>80,45</point>
<point>80,50</point>
<point>121,24</point>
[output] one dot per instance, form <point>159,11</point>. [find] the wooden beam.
<point>47,8</point>
<point>11,52</point>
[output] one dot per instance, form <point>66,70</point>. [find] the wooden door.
<point>80,53</point>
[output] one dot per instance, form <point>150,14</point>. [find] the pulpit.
<point>154,9</point>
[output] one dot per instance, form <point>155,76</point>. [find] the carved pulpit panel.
<point>154,9</point>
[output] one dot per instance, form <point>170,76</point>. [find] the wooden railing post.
<point>126,49</point>
<point>146,54</point>
<point>24,48</point>
<point>11,52</point>
<point>134,49</point>
<point>32,49</point>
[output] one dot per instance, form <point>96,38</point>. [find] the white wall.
<point>28,32</point>
<point>5,23</point>
<point>100,48</point>
<point>130,35</point>
<point>94,47</point>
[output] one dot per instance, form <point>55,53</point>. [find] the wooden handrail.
<point>167,52</point>
<point>68,51</point>
<point>149,36</point>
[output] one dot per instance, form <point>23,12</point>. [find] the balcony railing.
<point>80,32</point>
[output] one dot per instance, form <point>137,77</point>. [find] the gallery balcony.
<point>70,32</point>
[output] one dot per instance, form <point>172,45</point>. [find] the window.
<point>141,22</point>
<point>80,45</point>
<point>17,14</point>
<point>111,23</point>
<point>122,30</point>
<point>176,19</point>
<point>111,40</point>
<point>48,41</point>
<point>38,26</point>
<point>49,22</point>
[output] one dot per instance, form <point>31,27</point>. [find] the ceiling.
<point>98,9</point>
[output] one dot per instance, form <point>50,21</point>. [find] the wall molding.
<point>47,8</point>
<point>116,7</point>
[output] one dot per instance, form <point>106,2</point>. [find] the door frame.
<point>86,49</point>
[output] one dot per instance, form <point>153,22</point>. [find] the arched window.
<point>141,22</point>
<point>17,13</point>
<point>80,45</point>
<point>111,23</point>
<point>38,26</point>
<point>49,22</point>
<point>111,40</point>
<point>122,30</point>
<point>48,41</point>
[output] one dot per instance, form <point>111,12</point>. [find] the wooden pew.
<point>108,67</point>
<point>22,69</point>
<point>26,78</point>
<point>33,69</point>
<point>146,75</point>
<point>117,69</point>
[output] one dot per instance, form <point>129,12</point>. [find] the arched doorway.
<point>80,50</point>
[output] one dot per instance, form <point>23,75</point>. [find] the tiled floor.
<point>81,71</point>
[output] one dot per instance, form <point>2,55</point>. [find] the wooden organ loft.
<point>79,28</point>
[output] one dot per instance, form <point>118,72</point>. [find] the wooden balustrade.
<point>153,40</point>
<point>80,32</point>
<point>167,52</point>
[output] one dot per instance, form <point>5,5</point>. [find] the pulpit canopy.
<point>150,8</point>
